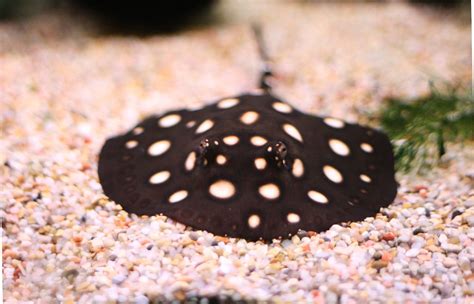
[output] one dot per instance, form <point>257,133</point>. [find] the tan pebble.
<point>108,242</point>
<point>50,268</point>
<point>59,233</point>
<point>454,240</point>
<point>225,240</point>
<point>122,237</point>
<point>39,255</point>
<point>379,264</point>
<point>179,295</point>
<point>83,286</point>
<point>76,259</point>
<point>276,266</point>
<point>10,254</point>
<point>449,262</point>
<point>278,258</point>
<point>187,242</point>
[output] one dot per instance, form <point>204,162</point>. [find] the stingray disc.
<point>251,167</point>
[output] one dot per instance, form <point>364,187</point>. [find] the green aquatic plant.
<point>420,128</point>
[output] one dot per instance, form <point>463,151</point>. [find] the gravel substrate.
<point>65,89</point>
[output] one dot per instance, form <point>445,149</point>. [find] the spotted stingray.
<point>250,166</point>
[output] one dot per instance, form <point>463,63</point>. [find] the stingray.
<point>250,166</point>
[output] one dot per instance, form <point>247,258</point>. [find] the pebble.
<point>451,247</point>
<point>413,252</point>
<point>141,299</point>
<point>455,213</point>
<point>470,220</point>
<point>388,236</point>
<point>449,262</point>
<point>118,279</point>
<point>418,231</point>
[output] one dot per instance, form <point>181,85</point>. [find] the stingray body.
<point>250,166</point>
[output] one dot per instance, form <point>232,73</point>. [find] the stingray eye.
<point>207,151</point>
<point>281,149</point>
<point>278,152</point>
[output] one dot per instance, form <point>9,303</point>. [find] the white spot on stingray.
<point>205,126</point>
<point>282,107</point>
<point>221,159</point>
<point>159,177</point>
<point>334,122</point>
<point>169,120</point>
<point>298,168</point>
<point>222,189</point>
<point>365,178</point>
<point>254,221</point>
<point>339,147</point>
<point>178,196</point>
<point>249,117</point>
<point>366,147</point>
<point>293,218</point>
<point>159,147</point>
<point>318,197</point>
<point>269,191</point>
<point>333,174</point>
<point>293,132</point>
<point>228,103</point>
<point>258,141</point>
<point>137,131</point>
<point>131,144</point>
<point>190,124</point>
<point>230,140</point>
<point>190,161</point>
<point>260,163</point>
